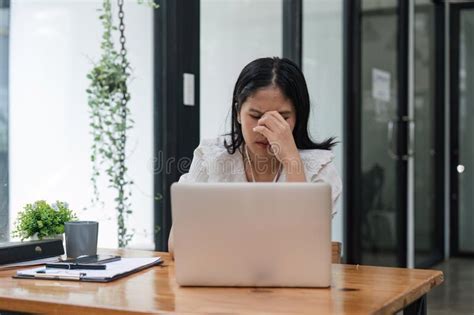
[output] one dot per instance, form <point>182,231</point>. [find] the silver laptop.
<point>252,234</point>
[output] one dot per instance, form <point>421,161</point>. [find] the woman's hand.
<point>280,137</point>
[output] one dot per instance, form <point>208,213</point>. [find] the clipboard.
<point>115,270</point>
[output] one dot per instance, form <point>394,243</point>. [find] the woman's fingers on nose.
<point>270,121</point>
<point>263,130</point>
<point>277,118</point>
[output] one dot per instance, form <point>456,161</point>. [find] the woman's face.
<point>262,101</point>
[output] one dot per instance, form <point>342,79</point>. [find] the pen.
<point>76,266</point>
<point>47,275</point>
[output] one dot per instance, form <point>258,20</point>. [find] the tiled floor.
<point>456,295</point>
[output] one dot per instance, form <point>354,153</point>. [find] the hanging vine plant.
<point>109,113</point>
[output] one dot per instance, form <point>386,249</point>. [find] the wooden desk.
<point>355,290</point>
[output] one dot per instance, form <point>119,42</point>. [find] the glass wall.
<point>50,141</point>
<point>466,132</point>
<point>233,33</point>
<point>4,39</point>
<point>426,238</point>
<point>322,66</point>
<point>379,122</point>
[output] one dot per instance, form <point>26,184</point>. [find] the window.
<point>246,30</point>
<point>49,122</point>
<point>322,66</point>
<point>4,38</point>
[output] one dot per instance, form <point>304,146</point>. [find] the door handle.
<point>392,128</point>
<point>411,136</point>
<point>390,132</point>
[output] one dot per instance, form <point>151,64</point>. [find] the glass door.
<point>428,107</point>
<point>376,132</point>
<point>394,157</point>
<point>462,129</point>
<point>383,164</point>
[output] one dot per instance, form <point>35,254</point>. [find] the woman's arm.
<point>197,173</point>
<point>328,174</point>
<point>294,170</point>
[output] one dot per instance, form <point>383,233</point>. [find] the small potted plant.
<point>41,220</point>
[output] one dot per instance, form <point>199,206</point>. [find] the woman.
<point>269,138</point>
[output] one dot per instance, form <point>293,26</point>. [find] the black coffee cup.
<point>81,238</point>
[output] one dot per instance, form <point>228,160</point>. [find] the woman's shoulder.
<point>219,164</point>
<point>211,162</point>
<point>212,148</point>
<point>315,159</point>
<point>212,143</point>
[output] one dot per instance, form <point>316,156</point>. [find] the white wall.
<point>233,33</point>
<point>323,69</point>
<point>52,46</point>
<point>4,37</point>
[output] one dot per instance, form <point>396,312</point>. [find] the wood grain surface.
<point>355,290</point>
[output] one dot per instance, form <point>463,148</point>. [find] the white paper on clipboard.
<point>114,270</point>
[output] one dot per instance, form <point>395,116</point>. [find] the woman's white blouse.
<point>212,163</point>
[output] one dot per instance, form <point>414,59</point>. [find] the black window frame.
<point>352,127</point>
<point>292,30</point>
<point>176,126</point>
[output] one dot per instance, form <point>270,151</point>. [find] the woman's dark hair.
<point>286,75</point>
